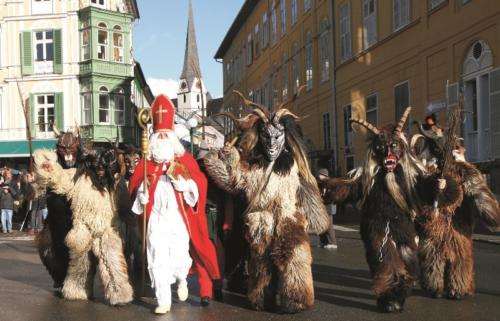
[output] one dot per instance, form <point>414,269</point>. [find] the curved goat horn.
<point>367,125</point>
<point>294,97</point>
<point>243,123</point>
<point>55,130</point>
<point>284,112</point>
<point>402,120</point>
<point>425,133</point>
<point>262,110</point>
<point>76,130</point>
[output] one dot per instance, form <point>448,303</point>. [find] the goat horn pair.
<point>258,109</point>
<point>284,112</point>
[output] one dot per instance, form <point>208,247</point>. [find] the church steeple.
<point>191,69</point>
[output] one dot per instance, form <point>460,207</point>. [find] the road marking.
<point>344,229</point>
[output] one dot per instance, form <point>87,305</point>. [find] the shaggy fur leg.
<point>392,282</point>
<point>113,268</point>
<point>259,280</point>
<point>433,266</point>
<point>78,284</point>
<point>461,273</point>
<point>296,290</point>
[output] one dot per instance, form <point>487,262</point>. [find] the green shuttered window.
<point>26,53</point>
<point>47,47</point>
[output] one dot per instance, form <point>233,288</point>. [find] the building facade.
<point>272,49</point>
<point>399,53</point>
<point>67,63</point>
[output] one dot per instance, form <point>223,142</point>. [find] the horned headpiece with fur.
<point>68,146</point>
<point>388,151</point>
<point>272,136</point>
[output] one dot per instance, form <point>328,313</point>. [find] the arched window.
<point>119,99</point>
<point>102,42</point>
<point>117,44</point>
<point>103,105</point>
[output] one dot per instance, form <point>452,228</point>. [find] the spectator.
<point>38,204</point>
<point>7,198</point>
<point>327,240</point>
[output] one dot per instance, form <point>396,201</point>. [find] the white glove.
<point>143,198</point>
<point>180,185</point>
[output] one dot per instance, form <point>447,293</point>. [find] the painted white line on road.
<point>344,229</point>
<point>19,238</point>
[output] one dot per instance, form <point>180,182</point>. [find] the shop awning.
<point>20,148</point>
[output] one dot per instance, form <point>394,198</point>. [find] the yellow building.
<point>394,53</point>
<point>272,48</point>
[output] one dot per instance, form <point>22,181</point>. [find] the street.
<point>342,284</point>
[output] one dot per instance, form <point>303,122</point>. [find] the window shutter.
<point>495,112</point>
<point>26,53</point>
<point>452,94</point>
<point>32,114</point>
<point>59,110</point>
<point>58,64</point>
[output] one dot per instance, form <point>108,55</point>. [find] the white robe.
<point>167,238</point>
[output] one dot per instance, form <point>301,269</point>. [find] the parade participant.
<point>446,249</point>
<point>92,190</point>
<point>219,217</point>
<point>177,233</point>
<point>284,202</point>
<point>50,242</point>
<point>327,240</point>
<point>390,188</point>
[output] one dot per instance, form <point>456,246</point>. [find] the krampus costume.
<point>52,250</point>
<point>445,249</point>
<point>92,191</point>
<point>284,203</point>
<point>389,188</point>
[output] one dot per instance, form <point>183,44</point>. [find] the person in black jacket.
<point>7,198</point>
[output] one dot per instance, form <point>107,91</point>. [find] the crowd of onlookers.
<point>21,199</point>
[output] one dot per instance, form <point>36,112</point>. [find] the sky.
<point>160,39</point>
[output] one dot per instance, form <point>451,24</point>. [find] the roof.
<point>242,16</point>
<point>214,106</point>
<point>191,68</point>
<point>133,8</point>
<point>139,74</point>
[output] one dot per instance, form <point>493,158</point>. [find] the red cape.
<point>194,218</point>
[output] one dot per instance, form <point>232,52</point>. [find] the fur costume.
<point>50,242</point>
<point>389,188</point>
<point>94,232</point>
<point>445,251</point>
<point>284,203</point>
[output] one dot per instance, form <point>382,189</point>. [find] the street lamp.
<point>192,123</point>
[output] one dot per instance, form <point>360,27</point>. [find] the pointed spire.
<point>191,67</point>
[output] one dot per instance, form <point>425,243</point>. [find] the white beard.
<point>161,150</point>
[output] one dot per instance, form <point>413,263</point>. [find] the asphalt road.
<point>342,285</point>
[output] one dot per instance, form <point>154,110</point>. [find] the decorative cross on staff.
<point>161,111</point>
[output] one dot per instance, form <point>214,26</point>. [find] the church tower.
<point>192,92</point>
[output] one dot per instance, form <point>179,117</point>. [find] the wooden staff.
<point>143,118</point>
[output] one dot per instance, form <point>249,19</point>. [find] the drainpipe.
<point>335,156</point>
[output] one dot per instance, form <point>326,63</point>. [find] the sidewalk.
<point>16,236</point>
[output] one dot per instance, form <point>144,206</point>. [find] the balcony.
<point>91,67</point>
<point>107,133</point>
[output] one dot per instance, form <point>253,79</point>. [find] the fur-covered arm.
<point>124,203</point>
<point>343,190</point>
<point>310,203</point>
<point>224,169</point>
<point>485,201</point>
<point>427,188</point>
<point>49,172</point>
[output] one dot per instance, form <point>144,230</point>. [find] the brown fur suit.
<point>277,230</point>
<point>94,231</point>
<point>445,249</point>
